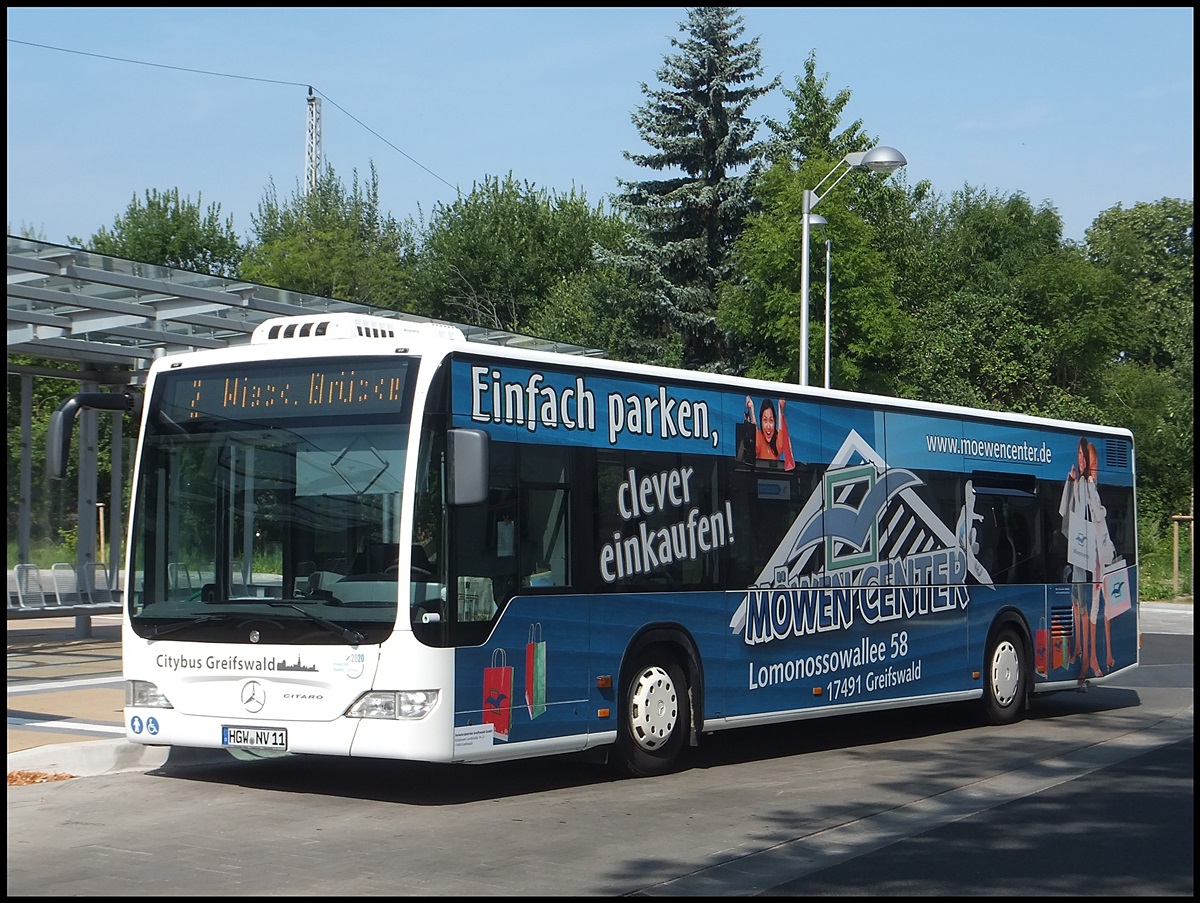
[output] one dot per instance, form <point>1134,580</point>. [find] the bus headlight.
<point>389,705</point>
<point>145,694</point>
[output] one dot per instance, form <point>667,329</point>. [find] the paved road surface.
<point>1092,795</point>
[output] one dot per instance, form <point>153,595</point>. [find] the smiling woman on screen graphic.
<point>771,434</point>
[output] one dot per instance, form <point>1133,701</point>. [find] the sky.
<point>1080,109</point>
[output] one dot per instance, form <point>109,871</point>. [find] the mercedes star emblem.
<point>254,697</point>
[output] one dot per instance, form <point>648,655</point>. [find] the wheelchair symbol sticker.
<point>151,726</point>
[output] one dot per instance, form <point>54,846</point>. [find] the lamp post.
<point>878,159</point>
<point>816,221</point>
<point>828,253</point>
<point>101,555</point>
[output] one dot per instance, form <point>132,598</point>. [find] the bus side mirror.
<point>466,467</point>
<point>58,433</point>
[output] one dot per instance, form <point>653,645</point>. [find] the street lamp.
<point>878,159</point>
<point>816,221</point>
<point>828,253</point>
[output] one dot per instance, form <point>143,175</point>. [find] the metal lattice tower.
<point>312,144</point>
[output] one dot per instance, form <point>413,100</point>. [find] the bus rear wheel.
<point>1005,677</point>
<point>655,715</point>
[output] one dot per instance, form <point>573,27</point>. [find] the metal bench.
<point>64,598</point>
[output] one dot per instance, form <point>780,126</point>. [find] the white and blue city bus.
<point>359,536</point>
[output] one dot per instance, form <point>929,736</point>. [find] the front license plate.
<point>254,737</point>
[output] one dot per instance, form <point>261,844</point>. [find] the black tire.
<point>1005,678</point>
<point>655,715</point>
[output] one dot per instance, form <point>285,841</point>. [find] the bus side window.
<point>543,530</point>
<point>477,547</point>
<point>544,544</point>
<point>1007,539</point>
<point>987,535</point>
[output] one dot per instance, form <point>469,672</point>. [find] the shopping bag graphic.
<point>1078,543</point>
<point>1081,533</point>
<point>1116,589</point>
<point>535,671</point>
<point>1041,649</point>
<point>497,694</point>
<point>1060,659</point>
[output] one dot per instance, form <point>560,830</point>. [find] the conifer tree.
<point>696,122</point>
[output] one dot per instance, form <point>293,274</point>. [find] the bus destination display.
<point>285,391</point>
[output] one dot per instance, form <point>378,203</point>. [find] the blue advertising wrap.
<point>872,594</point>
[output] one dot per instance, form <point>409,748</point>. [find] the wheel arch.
<point>682,645</point>
<point>1011,617</point>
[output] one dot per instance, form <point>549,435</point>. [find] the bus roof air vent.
<point>350,326</point>
<point>1116,454</point>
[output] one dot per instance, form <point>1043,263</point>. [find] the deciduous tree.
<point>761,301</point>
<point>171,231</point>
<point>517,258</point>
<point>331,241</point>
<point>1150,379</point>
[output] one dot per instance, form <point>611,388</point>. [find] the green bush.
<point>1156,560</point>
<point>43,553</point>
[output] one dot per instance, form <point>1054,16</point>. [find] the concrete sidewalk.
<point>65,699</point>
<point>66,693</point>
<point>61,687</point>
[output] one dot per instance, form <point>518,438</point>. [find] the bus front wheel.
<point>655,715</point>
<point>1006,674</point>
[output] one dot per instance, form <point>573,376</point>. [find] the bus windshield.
<point>269,502</point>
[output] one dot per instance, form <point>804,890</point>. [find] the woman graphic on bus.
<point>1089,550</point>
<point>771,442</point>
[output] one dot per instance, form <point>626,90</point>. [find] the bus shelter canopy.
<point>107,318</point>
<point>107,314</point>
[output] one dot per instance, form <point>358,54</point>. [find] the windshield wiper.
<point>351,636</point>
<point>195,622</point>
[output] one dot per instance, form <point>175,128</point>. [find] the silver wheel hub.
<point>1006,673</point>
<point>653,708</point>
